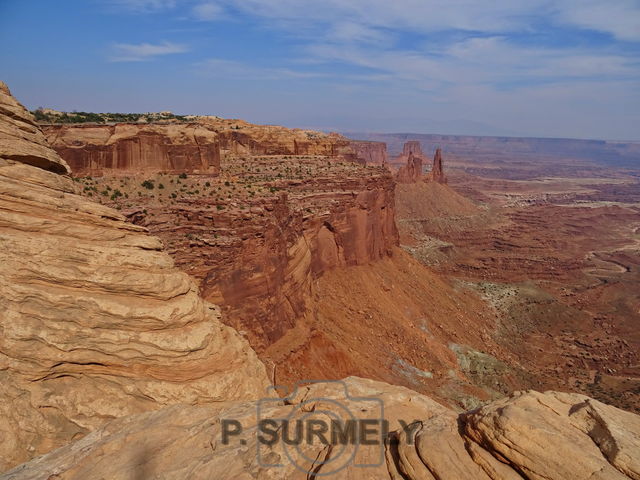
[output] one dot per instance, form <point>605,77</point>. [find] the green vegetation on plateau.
<point>50,116</point>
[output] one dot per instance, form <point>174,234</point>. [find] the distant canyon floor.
<point>555,252</point>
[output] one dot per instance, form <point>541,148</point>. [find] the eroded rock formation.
<point>370,153</point>
<point>133,148</point>
<point>411,161</point>
<point>21,139</point>
<point>95,321</point>
<point>554,436</point>
<point>412,171</point>
<point>242,138</point>
<point>412,147</point>
<point>437,173</point>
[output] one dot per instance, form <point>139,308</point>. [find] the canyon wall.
<point>258,262</point>
<point>195,147</point>
<point>95,321</point>
<point>133,148</point>
<point>369,153</point>
<point>113,366</point>
<point>238,137</point>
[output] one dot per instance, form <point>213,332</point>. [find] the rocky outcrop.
<point>96,323</point>
<point>370,153</point>
<point>437,173</point>
<point>132,148</point>
<point>530,435</point>
<point>412,171</point>
<point>410,161</point>
<point>238,137</point>
<point>412,147</point>
<point>21,139</point>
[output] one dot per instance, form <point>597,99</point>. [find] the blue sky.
<point>524,67</point>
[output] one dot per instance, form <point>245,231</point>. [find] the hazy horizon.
<point>534,68</point>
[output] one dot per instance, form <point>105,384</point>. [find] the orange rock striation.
<point>95,321</point>
<point>132,148</point>
<point>370,153</point>
<point>174,147</point>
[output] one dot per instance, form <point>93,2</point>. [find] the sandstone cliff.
<point>95,322</point>
<point>243,138</point>
<point>100,149</point>
<point>21,139</point>
<point>410,161</point>
<point>370,153</point>
<point>437,173</point>
<point>412,171</point>
<point>193,147</point>
<point>412,147</point>
<point>258,237</point>
<point>553,436</point>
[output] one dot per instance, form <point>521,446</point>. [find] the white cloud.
<point>458,58</point>
<point>144,6</point>
<point>620,18</point>
<point>351,32</point>
<point>207,11</point>
<point>125,52</point>
<point>232,69</point>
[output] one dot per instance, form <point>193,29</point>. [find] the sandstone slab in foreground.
<point>529,435</point>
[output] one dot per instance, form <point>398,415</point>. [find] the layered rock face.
<point>195,147</point>
<point>21,139</point>
<point>95,322</point>
<point>370,153</point>
<point>412,147</point>
<point>437,173</point>
<point>554,436</point>
<point>412,171</point>
<point>133,148</point>
<point>238,137</point>
<point>410,161</point>
<point>258,240</point>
